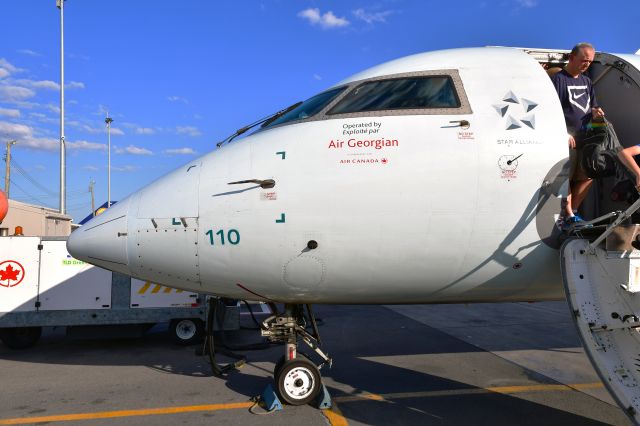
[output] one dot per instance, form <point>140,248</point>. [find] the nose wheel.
<point>298,381</point>
<point>297,378</point>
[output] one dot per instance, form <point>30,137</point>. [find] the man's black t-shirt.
<point>577,98</point>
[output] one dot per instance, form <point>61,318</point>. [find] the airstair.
<point>601,274</point>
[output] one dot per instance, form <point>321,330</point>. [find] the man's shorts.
<point>575,159</point>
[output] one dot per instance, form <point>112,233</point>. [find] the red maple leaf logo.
<point>9,274</point>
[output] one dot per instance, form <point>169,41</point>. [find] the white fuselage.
<point>404,207</point>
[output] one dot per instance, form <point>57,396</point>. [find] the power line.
<point>27,176</point>
<point>49,193</point>
<point>33,198</point>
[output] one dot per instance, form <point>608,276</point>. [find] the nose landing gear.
<point>297,378</point>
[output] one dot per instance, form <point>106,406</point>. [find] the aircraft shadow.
<point>429,376</point>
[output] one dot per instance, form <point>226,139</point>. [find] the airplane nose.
<point>103,240</point>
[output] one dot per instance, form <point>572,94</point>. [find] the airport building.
<point>35,221</point>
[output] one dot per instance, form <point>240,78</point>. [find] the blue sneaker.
<point>572,222</point>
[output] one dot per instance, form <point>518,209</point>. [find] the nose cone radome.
<point>103,240</point>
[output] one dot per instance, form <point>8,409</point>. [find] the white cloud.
<point>74,85</point>
<point>177,99</point>
<point>7,66</point>
<point>25,137</point>
<point>48,84</point>
<point>40,144</point>
<point>53,108</point>
<point>86,146</point>
<point>15,131</point>
<point>29,52</point>
<point>373,17</point>
<point>95,130</point>
<point>90,168</point>
<point>15,93</point>
<point>145,131</point>
<point>134,150</point>
<point>13,113</point>
<point>326,20</point>
<point>40,167</point>
<point>125,169</point>
<point>180,151</point>
<point>527,3</point>
<point>102,110</point>
<point>3,73</point>
<point>317,77</point>
<point>188,130</point>
<point>44,118</point>
<point>41,84</point>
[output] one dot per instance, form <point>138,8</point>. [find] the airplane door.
<point>616,80</point>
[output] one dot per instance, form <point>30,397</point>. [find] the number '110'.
<point>233,237</point>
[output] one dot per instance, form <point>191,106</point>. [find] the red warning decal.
<point>11,273</point>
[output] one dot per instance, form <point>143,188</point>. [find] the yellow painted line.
<point>144,288</point>
<point>167,289</point>
<point>539,388</point>
<point>126,413</point>
<point>470,391</point>
<point>156,289</point>
<point>334,415</point>
<point>179,291</point>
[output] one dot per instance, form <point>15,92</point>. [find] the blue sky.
<point>179,76</point>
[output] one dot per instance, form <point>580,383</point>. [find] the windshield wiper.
<point>264,121</point>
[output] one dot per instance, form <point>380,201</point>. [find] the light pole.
<point>108,120</point>
<point>7,175</point>
<point>63,166</point>
<point>93,205</point>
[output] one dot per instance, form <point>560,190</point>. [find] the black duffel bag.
<point>600,148</point>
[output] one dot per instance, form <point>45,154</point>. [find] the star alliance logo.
<point>520,107</point>
<point>577,98</point>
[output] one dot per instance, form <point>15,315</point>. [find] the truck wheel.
<point>186,331</point>
<point>21,337</point>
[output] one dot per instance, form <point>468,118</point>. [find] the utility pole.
<point>93,204</point>
<point>108,120</point>
<point>7,176</point>
<point>63,165</point>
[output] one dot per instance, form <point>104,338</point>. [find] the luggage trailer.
<point>42,285</point>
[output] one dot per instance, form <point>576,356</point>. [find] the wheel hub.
<point>299,382</point>
<point>185,330</point>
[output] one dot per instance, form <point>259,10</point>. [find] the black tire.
<point>279,365</point>
<point>21,337</point>
<point>283,359</point>
<point>298,381</point>
<point>186,331</point>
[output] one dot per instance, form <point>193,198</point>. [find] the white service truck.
<point>42,285</point>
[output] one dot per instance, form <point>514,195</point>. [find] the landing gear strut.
<point>297,378</point>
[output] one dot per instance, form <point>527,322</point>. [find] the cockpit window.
<point>400,93</point>
<point>308,108</point>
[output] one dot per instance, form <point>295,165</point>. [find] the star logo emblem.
<point>11,273</point>
<point>517,112</point>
